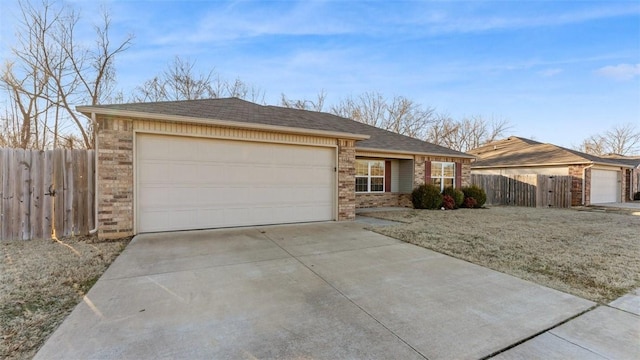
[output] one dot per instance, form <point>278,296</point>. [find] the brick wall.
<point>346,180</point>
<point>115,177</point>
<point>370,200</point>
<point>577,172</point>
<point>626,185</point>
<point>418,172</point>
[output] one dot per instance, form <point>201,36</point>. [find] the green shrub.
<point>426,197</point>
<point>636,196</point>
<point>457,195</point>
<point>448,203</point>
<point>477,193</point>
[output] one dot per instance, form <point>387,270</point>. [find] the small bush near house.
<point>426,197</point>
<point>477,193</point>
<point>636,196</point>
<point>470,202</point>
<point>448,203</point>
<point>456,194</point>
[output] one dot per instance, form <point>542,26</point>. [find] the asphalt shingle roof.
<point>516,151</point>
<point>237,110</point>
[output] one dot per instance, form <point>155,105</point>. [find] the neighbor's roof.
<point>629,160</point>
<point>516,151</point>
<point>234,111</point>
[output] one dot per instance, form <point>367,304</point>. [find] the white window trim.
<point>442,177</point>
<point>369,176</point>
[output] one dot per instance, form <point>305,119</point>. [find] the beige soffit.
<point>88,110</point>
<point>404,152</point>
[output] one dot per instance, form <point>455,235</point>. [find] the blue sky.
<point>558,71</point>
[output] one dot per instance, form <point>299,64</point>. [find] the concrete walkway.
<point>607,332</point>
<point>620,205</point>
<point>317,291</point>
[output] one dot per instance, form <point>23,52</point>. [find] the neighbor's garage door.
<point>194,183</point>
<point>605,186</point>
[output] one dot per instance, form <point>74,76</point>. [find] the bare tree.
<point>181,82</point>
<point>399,114</point>
<point>52,70</point>
<point>304,104</point>
<point>620,139</point>
<point>465,134</point>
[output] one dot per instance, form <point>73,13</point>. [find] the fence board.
<point>43,190</point>
<point>7,232</point>
<point>25,196</point>
<point>47,200</point>
<point>17,202</point>
<point>531,190</point>
<point>90,190</point>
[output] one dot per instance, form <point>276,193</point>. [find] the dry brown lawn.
<point>41,281</point>
<point>589,254</point>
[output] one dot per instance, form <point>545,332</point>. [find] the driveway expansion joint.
<point>622,310</point>
<point>344,295</point>
<point>549,329</point>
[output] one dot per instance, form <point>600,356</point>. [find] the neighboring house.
<point>595,179</point>
<point>633,174</point>
<point>227,162</point>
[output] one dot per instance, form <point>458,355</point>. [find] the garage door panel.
<point>204,183</point>
<point>605,186</point>
<point>153,172</point>
<point>154,197</point>
<point>152,220</point>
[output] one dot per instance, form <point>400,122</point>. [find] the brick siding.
<point>577,172</point>
<point>346,180</point>
<point>419,175</point>
<point>372,200</point>
<point>115,178</point>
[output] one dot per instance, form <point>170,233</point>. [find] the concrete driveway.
<point>313,291</point>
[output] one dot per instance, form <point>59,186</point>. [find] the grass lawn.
<point>592,255</point>
<point>41,281</point>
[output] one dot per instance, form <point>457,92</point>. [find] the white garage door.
<point>605,187</point>
<point>192,183</point>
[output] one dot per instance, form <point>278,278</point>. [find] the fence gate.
<point>43,191</point>
<point>530,190</point>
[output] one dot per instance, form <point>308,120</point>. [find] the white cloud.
<point>620,72</point>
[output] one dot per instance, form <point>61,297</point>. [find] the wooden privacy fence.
<point>46,191</point>
<point>526,190</point>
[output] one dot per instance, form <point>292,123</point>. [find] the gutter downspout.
<point>584,184</point>
<point>95,180</point>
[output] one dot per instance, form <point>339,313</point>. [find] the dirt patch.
<point>41,281</point>
<point>592,255</point>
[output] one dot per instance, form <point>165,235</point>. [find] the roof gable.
<point>240,111</point>
<point>516,151</point>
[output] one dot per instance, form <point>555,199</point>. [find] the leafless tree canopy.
<point>467,133</point>
<point>50,72</point>
<point>406,117</point>
<point>181,82</point>
<point>303,104</point>
<point>400,115</point>
<point>620,139</point>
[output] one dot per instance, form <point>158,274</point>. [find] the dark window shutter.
<point>458,175</point>
<point>387,176</point>
<point>427,172</point>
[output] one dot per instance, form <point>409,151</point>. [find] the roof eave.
<point>548,164</point>
<point>88,110</point>
<point>406,152</point>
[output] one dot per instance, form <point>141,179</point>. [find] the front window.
<point>443,174</point>
<point>369,176</point>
